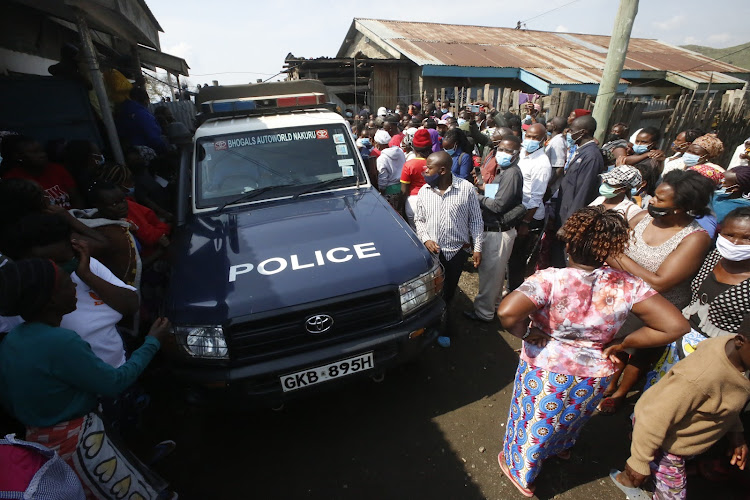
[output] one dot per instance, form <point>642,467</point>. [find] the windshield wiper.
<point>318,185</point>
<point>250,195</point>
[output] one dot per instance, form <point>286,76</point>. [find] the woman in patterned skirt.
<point>567,317</point>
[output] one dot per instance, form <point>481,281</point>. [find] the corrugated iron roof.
<point>560,58</point>
<point>713,77</point>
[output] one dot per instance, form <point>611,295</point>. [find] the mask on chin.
<point>432,180</point>
<point>656,212</point>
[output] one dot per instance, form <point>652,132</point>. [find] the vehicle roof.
<point>231,125</point>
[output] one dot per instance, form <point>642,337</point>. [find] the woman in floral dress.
<point>567,317</point>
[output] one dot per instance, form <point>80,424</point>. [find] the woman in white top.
<point>617,186</point>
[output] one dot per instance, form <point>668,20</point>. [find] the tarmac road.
<point>431,429</point>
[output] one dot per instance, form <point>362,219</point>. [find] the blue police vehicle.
<point>289,270</point>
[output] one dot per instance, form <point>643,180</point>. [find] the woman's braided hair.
<point>594,233</point>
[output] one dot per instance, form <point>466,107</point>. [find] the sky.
<point>240,41</point>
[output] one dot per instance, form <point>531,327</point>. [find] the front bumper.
<point>259,384</point>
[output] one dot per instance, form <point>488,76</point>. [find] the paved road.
<point>430,430</point>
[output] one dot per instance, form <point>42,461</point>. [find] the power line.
<point>236,73</point>
<point>545,13</point>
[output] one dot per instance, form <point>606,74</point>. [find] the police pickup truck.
<point>289,270</point>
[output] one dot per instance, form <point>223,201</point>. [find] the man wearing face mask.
<point>735,193</point>
<point>447,217</point>
<point>537,171</point>
<point>499,232</point>
<point>468,124</point>
<point>580,182</point>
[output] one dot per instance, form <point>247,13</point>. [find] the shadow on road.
<point>364,440</point>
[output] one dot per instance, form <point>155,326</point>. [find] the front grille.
<point>285,332</point>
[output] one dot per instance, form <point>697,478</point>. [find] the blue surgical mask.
<point>690,160</point>
<point>100,160</point>
<point>130,191</point>
<point>634,191</point>
<point>549,134</point>
<point>503,159</point>
<point>461,121</point>
<point>443,110</point>
<point>570,140</point>
<point>366,143</point>
<point>527,117</point>
<point>639,149</point>
<point>450,151</point>
<point>432,180</point>
<point>531,145</point>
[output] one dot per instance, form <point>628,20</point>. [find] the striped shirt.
<point>449,219</point>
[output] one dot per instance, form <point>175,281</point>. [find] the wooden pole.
<point>618,49</point>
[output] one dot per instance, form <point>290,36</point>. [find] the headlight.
<point>421,290</point>
<point>202,341</point>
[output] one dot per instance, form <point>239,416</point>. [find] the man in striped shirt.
<point>447,215</point>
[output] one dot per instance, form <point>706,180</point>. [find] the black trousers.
<point>452,270</point>
<point>521,262</point>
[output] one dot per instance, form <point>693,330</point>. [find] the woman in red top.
<point>29,161</point>
<point>411,175</point>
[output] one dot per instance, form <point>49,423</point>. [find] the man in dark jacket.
<point>580,182</point>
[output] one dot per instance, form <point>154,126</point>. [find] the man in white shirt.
<point>448,217</point>
<point>537,171</point>
<point>389,165</point>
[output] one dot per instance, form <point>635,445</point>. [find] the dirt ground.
<point>431,429</point>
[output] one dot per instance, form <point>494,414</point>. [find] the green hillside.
<point>741,58</point>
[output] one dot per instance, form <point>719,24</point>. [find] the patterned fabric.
<point>676,351</point>
<point>709,172</point>
<point>651,258</point>
<point>670,477</point>
<point>726,311</point>
<point>105,469</point>
<point>547,412</point>
<point>711,143</point>
<point>582,312</point>
<point>52,480</point>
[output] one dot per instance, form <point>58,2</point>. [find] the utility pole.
<point>618,49</point>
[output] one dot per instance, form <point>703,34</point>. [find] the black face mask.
<point>613,137</point>
<point>659,212</point>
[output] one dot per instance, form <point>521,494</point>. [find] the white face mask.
<point>732,252</point>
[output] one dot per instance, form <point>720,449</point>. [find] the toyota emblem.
<point>320,323</point>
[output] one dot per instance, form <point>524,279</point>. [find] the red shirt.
<point>374,153</point>
<point>54,179</point>
<point>412,174</point>
<point>150,228</point>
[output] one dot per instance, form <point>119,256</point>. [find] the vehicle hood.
<point>266,256</point>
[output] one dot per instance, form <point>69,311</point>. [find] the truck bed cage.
<point>203,117</point>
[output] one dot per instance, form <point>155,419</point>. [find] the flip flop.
<point>610,405</point>
<point>504,467</point>
<point>631,493</point>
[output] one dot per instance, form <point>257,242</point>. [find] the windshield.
<point>281,163</point>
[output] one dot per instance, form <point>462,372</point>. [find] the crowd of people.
<point>82,267</point>
<point>614,262</point>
